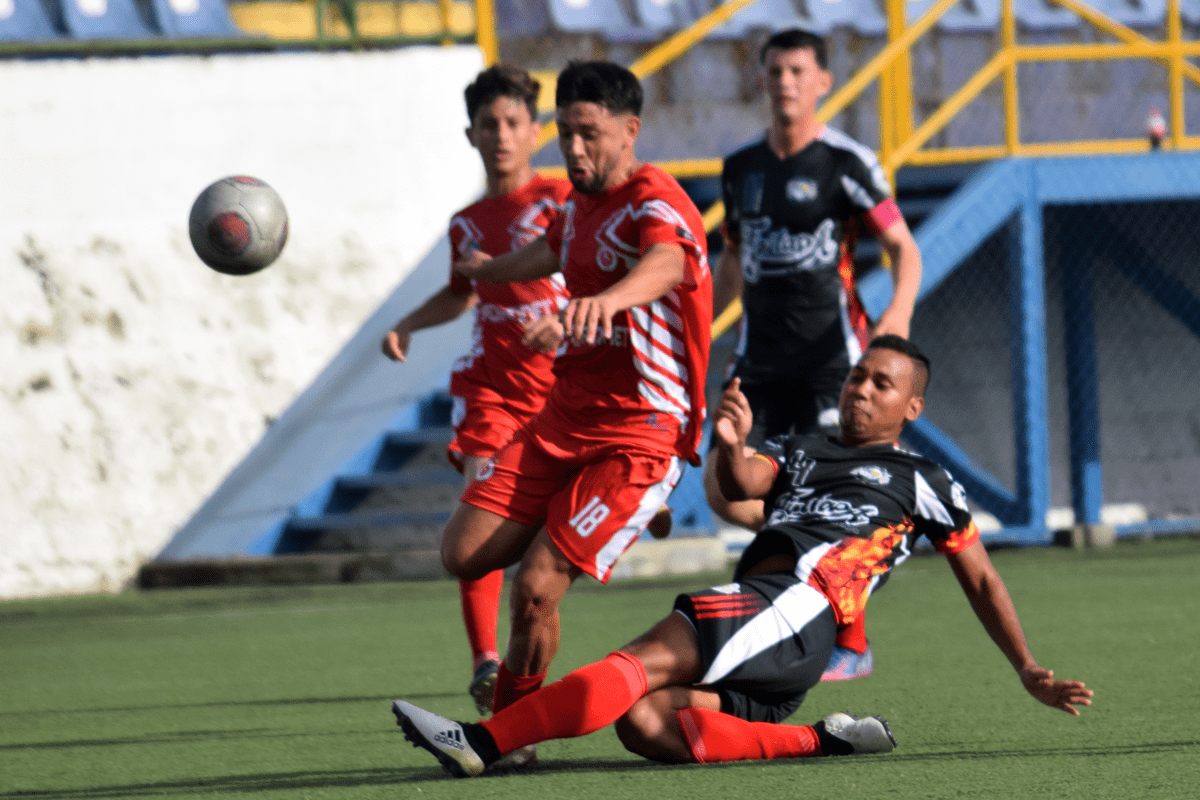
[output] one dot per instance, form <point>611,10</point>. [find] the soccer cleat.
<point>441,736</point>
<point>521,757</point>
<point>866,735</point>
<point>483,686</point>
<point>847,665</point>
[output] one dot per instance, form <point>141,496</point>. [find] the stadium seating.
<point>607,17</point>
<point>665,16</point>
<point>1190,11</point>
<point>1133,12</point>
<point>1042,15</point>
<point>771,15</point>
<point>520,17</point>
<point>977,15</point>
<point>104,19</point>
<point>865,16</point>
<point>194,18</point>
<point>26,21</point>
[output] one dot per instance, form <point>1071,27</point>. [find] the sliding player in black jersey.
<point>795,203</point>
<point>713,680</point>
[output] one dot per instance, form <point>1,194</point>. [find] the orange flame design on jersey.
<point>844,573</point>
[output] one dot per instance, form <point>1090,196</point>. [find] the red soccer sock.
<point>511,688</point>
<point>713,736</point>
<point>584,701</point>
<point>854,636</point>
<point>480,609</point>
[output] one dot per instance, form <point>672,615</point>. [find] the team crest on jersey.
<point>800,190</point>
<point>486,469</point>
<point>872,474</point>
<point>729,588</point>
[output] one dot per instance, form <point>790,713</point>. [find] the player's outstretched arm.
<point>740,476</point>
<point>440,308</point>
<point>897,241</point>
<point>990,599</point>
<point>727,277</point>
<point>534,260</point>
<point>659,270</point>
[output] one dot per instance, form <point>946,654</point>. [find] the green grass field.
<point>285,692</point>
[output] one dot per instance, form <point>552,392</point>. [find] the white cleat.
<point>441,736</point>
<point>866,735</point>
<point>521,757</point>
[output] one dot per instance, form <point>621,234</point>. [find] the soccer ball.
<point>238,225</point>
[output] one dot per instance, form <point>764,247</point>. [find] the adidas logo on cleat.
<point>450,739</point>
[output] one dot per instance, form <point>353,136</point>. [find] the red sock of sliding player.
<point>480,609</point>
<point>511,688</point>
<point>584,701</point>
<point>713,736</point>
<point>854,636</point>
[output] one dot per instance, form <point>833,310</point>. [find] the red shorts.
<point>481,427</point>
<point>595,497</point>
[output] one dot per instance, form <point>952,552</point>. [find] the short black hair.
<point>601,82</point>
<point>922,367</point>
<point>796,39</point>
<point>502,80</point>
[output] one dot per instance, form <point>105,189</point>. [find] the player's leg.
<point>582,702</point>
<point>541,582</point>
<point>480,601</point>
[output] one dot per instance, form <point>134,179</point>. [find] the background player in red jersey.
<point>502,381</point>
<point>795,202</point>
<point>713,680</point>
<point>576,486</point>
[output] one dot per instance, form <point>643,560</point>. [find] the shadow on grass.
<point>286,701</point>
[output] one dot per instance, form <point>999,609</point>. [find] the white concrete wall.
<point>132,378</point>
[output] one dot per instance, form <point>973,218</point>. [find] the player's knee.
<point>644,730</point>
<point>535,597</point>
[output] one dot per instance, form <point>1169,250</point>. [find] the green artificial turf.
<point>284,692</point>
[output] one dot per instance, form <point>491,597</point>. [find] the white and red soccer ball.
<point>238,225</point>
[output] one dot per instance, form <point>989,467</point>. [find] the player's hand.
<point>733,419</point>
<point>395,344</point>
<point>544,334</point>
<point>472,265</point>
<point>1063,695</point>
<point>586,319</point>
<point>892,321</point>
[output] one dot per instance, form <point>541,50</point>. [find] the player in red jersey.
<point>502,381</point>
<point>576,486</point>
<point>714,679</point>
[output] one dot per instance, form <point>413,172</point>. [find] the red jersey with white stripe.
<point>645,384</point>
<point>498,360</point>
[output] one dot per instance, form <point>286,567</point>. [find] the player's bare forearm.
<point>658,271</point>
<point>534,260</point>
<point>727,278</point>
<point>905,256</point>
<point>441,307</point>
<point>740,474</point>
<point>992,604</point>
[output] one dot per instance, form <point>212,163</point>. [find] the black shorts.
<point>764,642</point>
<point>802,404</point>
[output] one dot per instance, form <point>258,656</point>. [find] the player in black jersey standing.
<point>714,679</point>
<point>795,202</point>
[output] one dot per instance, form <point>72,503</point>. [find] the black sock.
<point>830,744</point>
<point>481,742</point>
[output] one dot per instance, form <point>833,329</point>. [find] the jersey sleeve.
<point>941,513</point>
<point>557,227</point>
<point>458,283</point>
<point>868,191</point>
